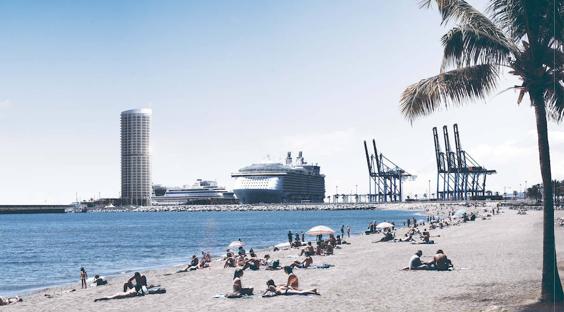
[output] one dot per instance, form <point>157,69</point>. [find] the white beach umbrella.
<point>236,244</point>
<point>320,230</point>
<point>384,225</point>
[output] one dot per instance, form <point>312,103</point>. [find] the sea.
<point>43,250</point>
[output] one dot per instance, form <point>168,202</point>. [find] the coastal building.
<point>292,182</point>
<point>136,157</point>
<point>201,192</point>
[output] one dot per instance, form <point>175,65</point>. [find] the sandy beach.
<point>497,268</point>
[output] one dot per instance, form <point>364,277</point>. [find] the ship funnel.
<point>289,158</point>
<point>300,159</point>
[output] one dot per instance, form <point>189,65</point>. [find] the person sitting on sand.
<point>206,256</point>
<point>319,249</point>
<point>293,283</point>
<point>99,281</point>
<point>265,260</point>
<point>9,300</point>
<point>308,261</point>
<point>252,253</point>
<point>241,260</point>
<point>441,262</point>
<point>329,249</point>
<point>229,263</point>
<point>203,264</point>
<point>388,236</point>
<point>253,264</point>
<point>238,290</point>
<point>241,251</point>
<point>228,254</point>
<point>415,262</point>
<point>140,281</point>
<point>308,250</point>
<point>274,266</point>
<point>194,263</point>
<point>272,290</point>
<point>332,240</point>
<point>426,236</point>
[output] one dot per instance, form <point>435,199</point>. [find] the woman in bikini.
<point>238,289</point>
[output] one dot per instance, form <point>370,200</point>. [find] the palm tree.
<point>522,38</point>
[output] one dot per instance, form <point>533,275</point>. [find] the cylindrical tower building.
<point>136,157</point>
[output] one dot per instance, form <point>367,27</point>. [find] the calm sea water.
<point>41,250</point>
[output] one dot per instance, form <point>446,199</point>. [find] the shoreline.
<point>480,281</point>
<point>170,263</point>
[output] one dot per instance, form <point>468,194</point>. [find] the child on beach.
<point>83,277</point>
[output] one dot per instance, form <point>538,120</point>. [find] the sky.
<point>232,83</point>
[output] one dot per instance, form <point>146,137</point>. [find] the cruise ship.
<point>202,191</point>
<point>292,182</point>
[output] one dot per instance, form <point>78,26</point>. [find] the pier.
<point>17,209</point>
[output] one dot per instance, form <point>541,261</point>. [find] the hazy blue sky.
<point>231,82</point>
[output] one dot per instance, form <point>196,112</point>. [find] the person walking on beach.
<point>343,230</point>
<point>290,236</point>
<point>83,277</point>
<point>303,237</point>
<point>348,231</point>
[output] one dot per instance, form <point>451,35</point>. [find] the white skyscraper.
<point>136,186</point>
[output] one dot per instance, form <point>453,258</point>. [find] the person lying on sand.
<point>140,281</point>
<point>151,290</point>
<point>441,262</point>
<point>272,290</point>
<point>302,264</point>
<point>194,263</point>
<point>238,290</point>
<point>9,300</point>
<point>388,236</point>
<point>415,262</point>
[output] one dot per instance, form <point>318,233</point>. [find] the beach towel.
<point>321,266</point>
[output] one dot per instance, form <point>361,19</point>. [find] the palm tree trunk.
<point>551,290</point>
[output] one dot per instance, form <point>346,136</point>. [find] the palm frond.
<point>466,46</point>
<point>465,14</point>
<point>454,87</point>
<point>554,99</point>
<point>542,19</point>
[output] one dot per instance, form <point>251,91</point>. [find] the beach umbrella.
<point>384,225</point>
<point>320,230</point>
<point>236,244</point>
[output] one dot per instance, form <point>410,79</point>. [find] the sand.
<point>497,268</point>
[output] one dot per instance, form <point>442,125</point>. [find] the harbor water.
<point>42,250</point>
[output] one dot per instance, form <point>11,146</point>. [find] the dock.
<point>18,209</point>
